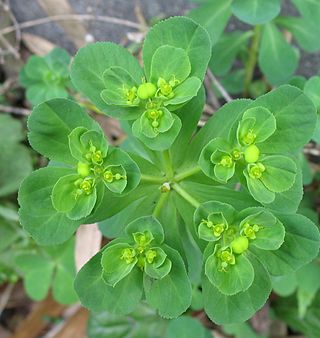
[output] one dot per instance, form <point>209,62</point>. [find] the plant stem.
<point>187,173</point>
<point>184,194</point>
<point>252,61</point>
<point>161,201</point>
<point>152,179</point>
<point>167,163</point>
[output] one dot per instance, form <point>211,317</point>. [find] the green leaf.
<point>37,272</point>
<point>301,245</point>
<point>280,173</point>
<point>146,223</point>
<point>62,284</point>
<point>185,327</point>
<point>224,52</point>
<point>223,309</point>
<point>46,77</point>
<point>310,9</point>
<point>289,200</point>
<point>258,190</point>
<point>114,226</point>
<point>46,267</point>
<point>284,285</point>
<point>271,234</point>
<point>236,278</point>
<point>10,130</point>
<point>312,90</point>
<point>171,295</point>
<point>304,30</point>
<point>50,124</point>
<point>287,310</point>
<point>143,322</point>
<point>256,12</point>
<point>163,140</point>
<point>115,268</point>
<point>308,277</point>
<point>170,63</point>
<point>37,214</point>
<point>278,60</point>
<point>15,165</point>
<point>15,159</point>
<point>96,295</point>
<point>286,104</point>
<point>213,16</point>
<point>242,330</point>
<point>203,192</point>
<point>179,32</point>
<point>180,147</point>
<point>88,68</point>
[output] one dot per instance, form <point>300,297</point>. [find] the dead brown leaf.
<point>88,242</point>
<point>36,44</point>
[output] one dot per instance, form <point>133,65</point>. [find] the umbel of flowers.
<point>245,155</point>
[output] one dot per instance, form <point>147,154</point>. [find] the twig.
<point>14,110</point>
<point>68,313</point>
<point>11,49</point>
<point>7,84</point>
<point>219,86</point>
<point>311,151</point>
<point>5,297</point>
<point>78,17</point>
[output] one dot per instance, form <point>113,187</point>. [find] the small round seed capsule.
<point>83,169</point>
<point>146,90</point>
<point>251,154</point>
<point>240,245</point>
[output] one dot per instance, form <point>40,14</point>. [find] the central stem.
<point>161,201</point>
<point>185,195</point>
<point>251,64</point>
<point>167,163</point>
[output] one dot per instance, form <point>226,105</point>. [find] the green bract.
<point>244,153</point>
<point>199,218</point>
<point>46,77</point>
<point>91,171</point>
<point>140,255</point>
<point>171,77</point>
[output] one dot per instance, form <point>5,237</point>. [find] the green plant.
<point>184,234</point>
<point>264,45</point>
<point>15,158</point>
<point>46,77</point>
